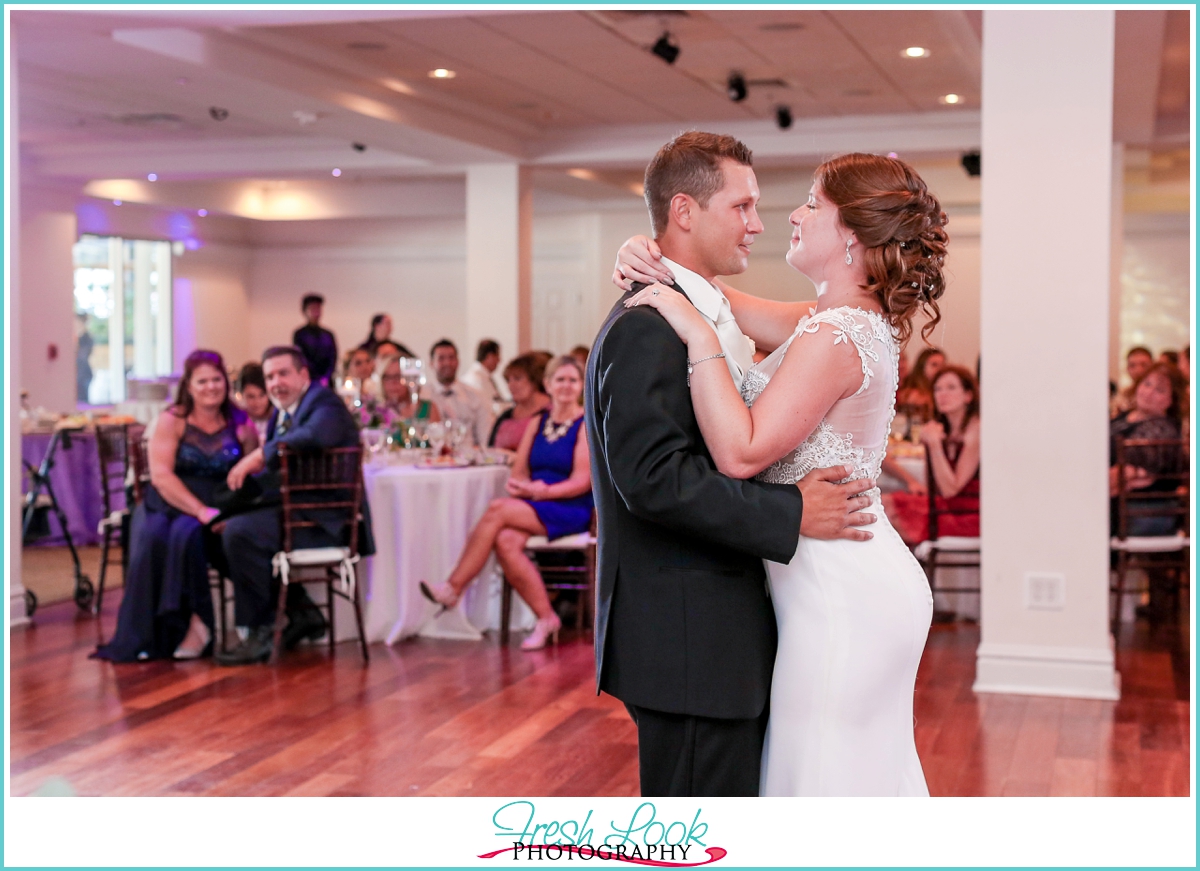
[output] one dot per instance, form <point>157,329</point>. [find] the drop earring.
<point>849,259</point>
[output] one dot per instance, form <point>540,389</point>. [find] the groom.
<point>685,632</point>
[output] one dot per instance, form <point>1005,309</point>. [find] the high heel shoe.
<point>442,594</point>
<point>199,650</point>
<point>545,632</point>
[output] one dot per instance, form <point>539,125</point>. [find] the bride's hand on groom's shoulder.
<point>640,259</point>
<point>833,510</point>
<point>684,318</point>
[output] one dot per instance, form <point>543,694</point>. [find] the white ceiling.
<point>117,94</point>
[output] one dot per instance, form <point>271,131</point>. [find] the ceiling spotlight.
<point>972,163</point>
<point>202,213</point>
<point>358,146</point>
<point>783,117</point>
<point>950,99</point>
<point>440,73</point>
<point>116,202</point>
<point>665,48</point>
<point>915,51</point>
<point>336,172</point>
<point>217,113</point>
<point>736,87</point>
<point>152,177</point>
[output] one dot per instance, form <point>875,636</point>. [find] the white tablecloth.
<point>421,520</point>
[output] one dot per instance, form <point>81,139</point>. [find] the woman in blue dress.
<point>551,495</point>
<point>166,608</point>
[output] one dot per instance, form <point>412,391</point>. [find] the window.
<point>122,315</point>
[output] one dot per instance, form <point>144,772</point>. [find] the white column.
<point>116,320</point>
<point>143,317</point>
<point>164,322</point>
<point>1047,179</point>
<point>499,258</point>
<point>17,615</point>
<point>1116,365</point>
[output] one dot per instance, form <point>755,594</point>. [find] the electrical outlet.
<point>1045,591</point>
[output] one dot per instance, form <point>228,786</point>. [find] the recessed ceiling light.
<point>152,177</point>
<point>336,172</point>
<point>915,51</point>
<point>950,99</point>
<point>116,202</point>
<point>202,212</point>
<point>584,174</point>
<point>440,73</point>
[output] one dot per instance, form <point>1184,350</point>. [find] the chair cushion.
<point>314,556</point>
<point>959,543</point>
<point>579,541</point>
<point>1151,543</point>
<point>113,521</point>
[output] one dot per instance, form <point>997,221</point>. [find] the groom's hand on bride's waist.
<point>833,510</point>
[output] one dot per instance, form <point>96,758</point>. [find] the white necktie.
<point>735,345</point>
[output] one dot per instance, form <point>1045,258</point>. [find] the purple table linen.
<point>76,481</point>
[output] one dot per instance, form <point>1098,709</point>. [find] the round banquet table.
<point>76,481</point>
<point>421,518</point>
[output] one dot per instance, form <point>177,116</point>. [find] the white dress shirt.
<point>712,304</point>
<point>462,404</point>
<point>487,385</point>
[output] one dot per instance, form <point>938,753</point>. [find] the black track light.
<point>665,48</point>
<point>971,163</point>
<point>736,88</point>
<point>783,117</point>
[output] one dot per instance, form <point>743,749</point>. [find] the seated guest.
<point>580,353</point>
<point>360,364</point>
<point>253,388</point>
<point>1138,361</point>
<point>914,398</point>
<point>524,379</point>
<point>166,609</point>
<point>1157,401</point>
<point>317,343</point>
<point>395,397</point>
<point>455,400</point>
<point>551,489</point>
<point>309,417</point>
<point>951,441</point>
<point>482,374</point>
<point>389,348</point>
<point>381,331</point>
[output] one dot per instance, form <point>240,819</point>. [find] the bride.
<point>853,616</point>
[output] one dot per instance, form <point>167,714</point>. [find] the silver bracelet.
<point>692,364</point>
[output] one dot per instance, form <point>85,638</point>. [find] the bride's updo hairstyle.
<point>901,227</point>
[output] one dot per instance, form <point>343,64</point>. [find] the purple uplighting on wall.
<point>92,218</point>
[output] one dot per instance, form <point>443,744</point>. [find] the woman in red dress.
<point>952,442</point>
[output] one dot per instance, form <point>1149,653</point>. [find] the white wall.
<point>415,270</point>
<point>1156,286</point>
<point>46,283</point>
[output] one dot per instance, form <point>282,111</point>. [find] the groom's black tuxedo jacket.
<point>683,620</point>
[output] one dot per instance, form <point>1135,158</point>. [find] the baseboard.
<point>1069,672</point>
<point>16,607</point>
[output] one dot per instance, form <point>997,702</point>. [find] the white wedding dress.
<point>853,616</point>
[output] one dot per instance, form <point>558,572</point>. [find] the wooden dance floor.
<point>465,718</point>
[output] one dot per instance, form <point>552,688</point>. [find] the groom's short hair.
<point>688,164</point>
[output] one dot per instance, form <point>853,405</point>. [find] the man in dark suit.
<point>685,632</point>
<point>308,417</point>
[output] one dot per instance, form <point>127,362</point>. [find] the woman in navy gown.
<point>166,609</point>
<point>551,495</point>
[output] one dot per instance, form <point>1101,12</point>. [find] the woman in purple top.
<point>551,495</point>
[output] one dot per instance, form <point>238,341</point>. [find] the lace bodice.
<point>854,432</point>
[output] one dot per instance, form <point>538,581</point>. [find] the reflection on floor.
<point>471,718</point>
